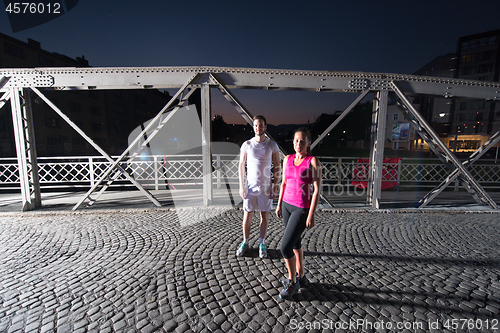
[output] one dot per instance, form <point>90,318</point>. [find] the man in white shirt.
<point>259,190</point>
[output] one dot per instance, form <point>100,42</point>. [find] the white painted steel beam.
<point>377,149</point>
<point>245,78</point>
<point>433,145</point>
<point>25,148</point>
<point>206,139</point>
<point>35,193</point>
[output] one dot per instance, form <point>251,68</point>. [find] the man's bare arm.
<point>241,174</point>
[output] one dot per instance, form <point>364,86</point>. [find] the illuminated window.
<point>51,122</point>
<point>465,144</point>
<point>467,58</point>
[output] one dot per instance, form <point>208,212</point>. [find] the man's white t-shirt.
<point>259,160</point>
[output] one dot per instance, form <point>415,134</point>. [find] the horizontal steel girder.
<point>244,78</point>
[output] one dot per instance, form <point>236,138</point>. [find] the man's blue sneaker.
<point>262,251</point>
<point>241,249</point>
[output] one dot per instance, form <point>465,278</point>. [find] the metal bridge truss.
<point>16,85</point>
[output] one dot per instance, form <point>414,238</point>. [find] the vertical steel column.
<point>377,149</point>
<point>206,140</point>
<point>31,142</point>
<point>26,149</point>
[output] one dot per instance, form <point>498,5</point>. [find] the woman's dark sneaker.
<point>290,289</point>
<point>303,281</point>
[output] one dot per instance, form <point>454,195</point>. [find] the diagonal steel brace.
<point>342,116</point>
<point>246,114</point>
<point>435,149</point>
<point>141,147</point>
<point>119,160</point>
<point>3,81</point>
<point>237,104</point>
<point>455,173</point>
<point>5,97</point>
<point>92,143</point>
<point>467,177</point>
<point>421,129</point>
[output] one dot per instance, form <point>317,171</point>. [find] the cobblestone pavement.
<point>161,270</point>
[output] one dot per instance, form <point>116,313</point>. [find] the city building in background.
<point>436,109</point>
<point>474,121</point>
<point>399,135</point>
<point>463,124</point>
<point>106,116</point>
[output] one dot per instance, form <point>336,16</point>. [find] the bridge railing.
<point>158,171</point>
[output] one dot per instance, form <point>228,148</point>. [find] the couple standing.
<point>297,202</point>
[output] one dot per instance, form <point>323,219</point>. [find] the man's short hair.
<point>260,117</point>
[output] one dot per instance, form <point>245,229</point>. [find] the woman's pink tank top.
<point>298,182</point>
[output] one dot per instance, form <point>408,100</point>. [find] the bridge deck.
<point>183,198</point>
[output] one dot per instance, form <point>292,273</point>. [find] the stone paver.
<point>161,270</point>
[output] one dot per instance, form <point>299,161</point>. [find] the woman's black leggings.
<point>294,219</point>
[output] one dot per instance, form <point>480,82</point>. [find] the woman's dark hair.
<point>308,135</point>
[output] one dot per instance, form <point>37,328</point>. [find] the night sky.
<point>369,36</point>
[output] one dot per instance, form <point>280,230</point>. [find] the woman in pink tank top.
<point>297,203</point>
<point>299,180</point>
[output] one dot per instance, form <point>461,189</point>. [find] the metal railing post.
<point>339,171</point>
<point>155,161</point>
<point>219,174</point>
<point>399,174</point>
<point>91,171</point>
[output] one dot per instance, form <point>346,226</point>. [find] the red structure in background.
<point>389,173</point>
